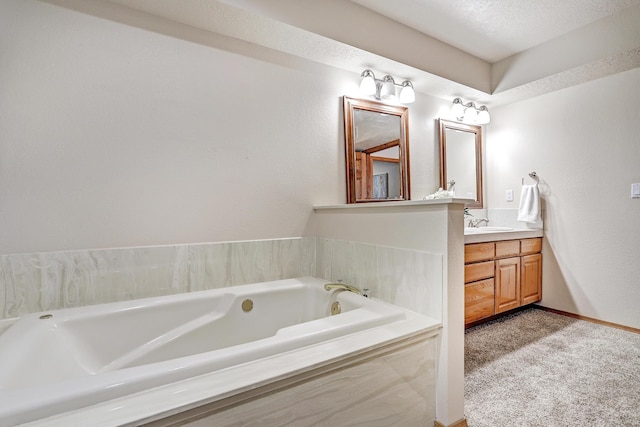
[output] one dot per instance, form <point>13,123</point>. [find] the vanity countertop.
<point>481,235</point>
<point>394,204</point>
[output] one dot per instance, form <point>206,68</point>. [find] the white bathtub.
<point>55,365</point>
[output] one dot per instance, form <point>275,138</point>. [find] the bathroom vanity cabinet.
<point>500,276</point>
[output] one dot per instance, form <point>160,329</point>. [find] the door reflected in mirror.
<point>376,143</point>
<point>461,160</point>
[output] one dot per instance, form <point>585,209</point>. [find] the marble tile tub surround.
<point>47,281</point>
<point>408,278</point>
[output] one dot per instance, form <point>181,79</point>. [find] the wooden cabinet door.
<point>507,284</point>
<point>478,300</point>
<point>531,279</point>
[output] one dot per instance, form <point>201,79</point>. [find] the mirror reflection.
<point>461,160</point>
<point>376,151</point>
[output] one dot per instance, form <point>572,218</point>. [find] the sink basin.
<point>484,230</point>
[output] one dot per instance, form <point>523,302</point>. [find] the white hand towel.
<point>529,210</point>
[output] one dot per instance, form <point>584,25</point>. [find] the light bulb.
<point>407,94</point>
<point>483,116</point>
<point>388,87</point>
<point>470,114</point>
<point>457,109</point>
<point>368,83</point>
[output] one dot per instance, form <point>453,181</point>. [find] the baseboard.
<point>588,319</point>
<point>459,423</point>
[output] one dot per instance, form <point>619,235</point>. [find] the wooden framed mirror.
<point>376,151</point>
<point>461,160</point>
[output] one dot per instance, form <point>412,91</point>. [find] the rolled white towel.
<point>529,210</point>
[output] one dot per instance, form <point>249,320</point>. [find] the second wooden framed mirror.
<point>461,160</point>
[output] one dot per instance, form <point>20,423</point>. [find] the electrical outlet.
<point>508,195</point>
<point>635,191</point>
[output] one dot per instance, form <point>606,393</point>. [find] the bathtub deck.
<point>148,360</point>
<point>344,369</point>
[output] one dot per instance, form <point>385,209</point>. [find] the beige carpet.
<point>535,368</point>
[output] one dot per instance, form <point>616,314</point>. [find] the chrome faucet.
<point>345,287</point>
<point>474,222</point>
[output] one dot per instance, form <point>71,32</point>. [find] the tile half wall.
<point>48,281</point>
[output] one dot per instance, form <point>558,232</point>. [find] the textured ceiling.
<point>374,129</point>
<point>496,29</point>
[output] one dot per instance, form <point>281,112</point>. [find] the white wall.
<point>116,136</point>
<point>584,143</point>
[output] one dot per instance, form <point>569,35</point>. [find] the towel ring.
<point>533,175</point>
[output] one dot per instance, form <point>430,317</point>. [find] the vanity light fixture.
<point>469,113</point>
<point>386,88</point>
